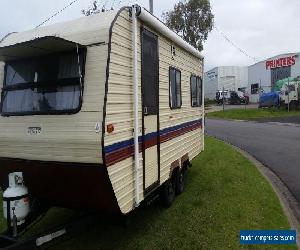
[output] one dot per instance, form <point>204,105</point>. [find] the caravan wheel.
<point>167,194</point>
<point>181,180</point>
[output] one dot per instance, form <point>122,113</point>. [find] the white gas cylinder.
<point>16,195</point>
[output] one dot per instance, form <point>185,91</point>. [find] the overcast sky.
<point>262,28</point>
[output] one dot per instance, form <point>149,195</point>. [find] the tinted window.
<point>196,91</point>
<point>43,85</point>
<point>175,88</point>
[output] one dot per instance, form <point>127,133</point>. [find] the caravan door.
<point>150,105</point>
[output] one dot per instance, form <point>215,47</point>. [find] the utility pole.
<point>260,89</point>
<point>288,92</point>
<point>223,97</point>
<point>151,6</point>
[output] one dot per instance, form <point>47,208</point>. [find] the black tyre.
<point>180,181</point>
<point>167,194</point>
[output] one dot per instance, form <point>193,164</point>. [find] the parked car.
<point>237,97</point>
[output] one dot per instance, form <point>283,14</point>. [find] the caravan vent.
<point>173,51</point>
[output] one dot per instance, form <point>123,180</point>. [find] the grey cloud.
<point>263,28</point>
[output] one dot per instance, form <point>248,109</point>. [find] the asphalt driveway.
<point>276,145</point>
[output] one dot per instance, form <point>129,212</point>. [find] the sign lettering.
<point>281,62</point>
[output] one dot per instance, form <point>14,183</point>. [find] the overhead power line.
<point>57,13</point>
<point>234,45</point>
<point>113,5</point>
<point>105,3</point>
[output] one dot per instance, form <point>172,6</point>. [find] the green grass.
<point>225,193</point>
<point>251,114</point>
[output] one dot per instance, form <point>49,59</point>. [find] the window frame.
<point>176,94</point>
<point>21,86</point>
<point>201,92</point>
<point>256,89</point>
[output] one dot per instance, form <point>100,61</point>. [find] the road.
<point>277,146</point>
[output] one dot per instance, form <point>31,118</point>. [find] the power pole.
<point>151,6</point>
<point>288,91</point>
<point>223,97</point>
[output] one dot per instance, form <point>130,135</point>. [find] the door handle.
<point>145,110</point>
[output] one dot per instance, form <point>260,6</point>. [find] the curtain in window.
<point>196,91</point>
<point>199,91</point>
<point>178,89</point>
<point>42,85</point>
<point>175,88</point>
<point>172,88</point>
<point>19,72</point>
<point>68,66</point>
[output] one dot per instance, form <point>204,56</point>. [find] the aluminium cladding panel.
<point>258,74</point>
<point>119,111</point>
<point>295,69</point>
<point>211,83</point>
<point>232,77</point>
<point>64,138</point>
<point>191,142</point>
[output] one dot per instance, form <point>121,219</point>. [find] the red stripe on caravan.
<point>178,133</point>
<point>124,153</point>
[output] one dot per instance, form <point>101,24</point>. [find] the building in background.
<point>263,75</point>
<point>253,80</point>
<point>230,77</point>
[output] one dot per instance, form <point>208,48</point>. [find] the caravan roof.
<point>91,30</point>
<point>84,30</point>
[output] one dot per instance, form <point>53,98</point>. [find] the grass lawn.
<point>225,193</point>
<point>251,114</point>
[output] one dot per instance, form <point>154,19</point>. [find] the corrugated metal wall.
<point>229,77</point>
<point>211,83</point>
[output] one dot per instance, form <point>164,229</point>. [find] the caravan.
<point>100,112</point>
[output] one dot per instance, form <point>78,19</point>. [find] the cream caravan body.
<point>80,153</point>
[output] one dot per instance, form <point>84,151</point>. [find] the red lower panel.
<point>63,184</point>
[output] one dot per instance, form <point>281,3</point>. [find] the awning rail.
<point>37,47</point>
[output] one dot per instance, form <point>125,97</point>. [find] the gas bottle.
<point>16,197</point>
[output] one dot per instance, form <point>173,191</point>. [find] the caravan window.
<point>196,91</point>
<point>43,85</point>
<point>175,88</point>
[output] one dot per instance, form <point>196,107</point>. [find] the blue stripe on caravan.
<point>171,129</point>
<point>130,142</point>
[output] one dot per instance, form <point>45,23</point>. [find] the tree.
<point>192,20</point>
<point>94,9</point>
